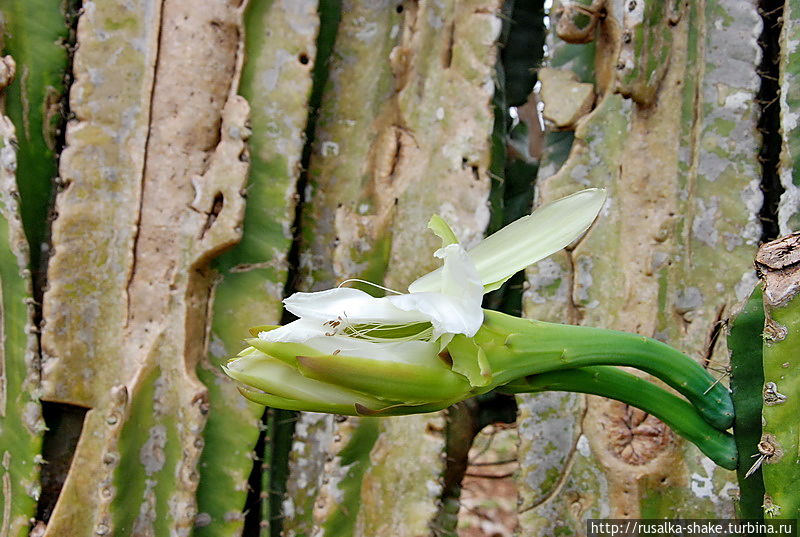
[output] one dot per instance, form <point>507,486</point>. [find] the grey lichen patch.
<point>687,300</point>
<point>704,225</point>
<point>548,431</point>
<point>152,453</point>
<point>547,280</point>
<point>310,453</point>
<point>745,285</point>
<point>753,198</point>
<point>582,282</point>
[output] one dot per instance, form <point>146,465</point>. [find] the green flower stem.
<point>614,383</point>
<point>517,347</point>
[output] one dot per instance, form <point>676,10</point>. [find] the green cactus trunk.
<point>125,311</point>
<point>280,44</point>
<point>21,424</point>
<point>31,86</point>
<point>745,342</point>
<point>779,447</point>
<point>36,35</point>
<point>789,170</point>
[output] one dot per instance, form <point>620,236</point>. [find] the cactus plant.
<point>21,424</point>
<point>777,264</point>
<point>414,157</point>
<point>280,44</point>
<point>30,116</point>
<point>121,337</point>
<point>745,342</point>
<point>36,35</point>
<point>788,170</point>
<point>658,255</point>
<point>653,100</point>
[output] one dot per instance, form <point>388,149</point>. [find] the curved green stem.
<point>614,383</point>
<point>519,347</point>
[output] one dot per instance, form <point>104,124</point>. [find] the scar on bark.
<point>216,209</point>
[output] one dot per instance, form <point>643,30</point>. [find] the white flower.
<point>446,301</point>
<point>351,352</point>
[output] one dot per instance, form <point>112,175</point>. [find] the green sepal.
<point>470,360</point>
<point>275,401</point>
<point>285,352</point>
<point>255,330</point>
<point>404,409</point>
<point>410,383</point>
<point>280,379</point>
<point>442,230</point>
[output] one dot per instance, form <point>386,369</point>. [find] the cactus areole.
<point>406,353</point>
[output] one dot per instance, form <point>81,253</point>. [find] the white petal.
<point>298,331</point>
<point>313,334</point>
<point>352,304</point>
<point>410,352</point>
<point>526,241</point>
<point>447,314</point>
<point>460,277</point>
<point>456,309</point>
